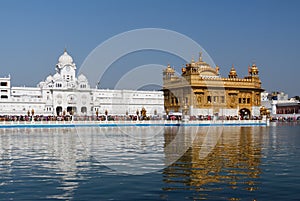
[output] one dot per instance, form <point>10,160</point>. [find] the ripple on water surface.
<point>78,163</point>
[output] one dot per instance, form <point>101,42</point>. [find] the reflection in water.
<point>129,150</point>
<point>36,156</point>
<point>232,163</point>
<point>180,163</point>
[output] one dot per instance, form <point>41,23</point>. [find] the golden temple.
<point>200,90</point>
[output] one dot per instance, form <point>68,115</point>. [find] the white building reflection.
<point>61,157</point>
<point>57,152</point>
<point>128,150</point>
<point>190,156</point>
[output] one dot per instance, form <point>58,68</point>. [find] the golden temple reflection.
<point>232,163</point>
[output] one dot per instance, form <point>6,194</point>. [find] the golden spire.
<point>217,69</point>
<point>200,56</point>
<point>249,70</point>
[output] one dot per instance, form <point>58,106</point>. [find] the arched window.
<point>83,109</point>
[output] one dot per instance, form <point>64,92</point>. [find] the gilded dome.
<point>254,69</point>
<point>169,69</point>
<point>204,69</point>
<point>232,72</point>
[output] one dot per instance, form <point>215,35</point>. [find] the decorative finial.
<point>193,60</point>
<point>65,50</point>
<point>217,69</point>
<point>249,70</point>
<point>200,56</point>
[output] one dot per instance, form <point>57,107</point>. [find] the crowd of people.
<point>78,118</point>
<point>120,118</point>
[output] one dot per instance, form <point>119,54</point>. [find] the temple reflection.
<point>205,160</point>
<point>54,151</point>
<point>222,157</point>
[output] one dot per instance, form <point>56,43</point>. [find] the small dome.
<point>65,58</point>
<point>169,69</point>
<point>49,78</point>
<point>56,76</point>
<point>254,69</point>
<point>41,84</point>
<point>232,72</point>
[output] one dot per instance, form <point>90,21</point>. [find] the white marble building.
<point>275,100</point>
<point>64,92</point>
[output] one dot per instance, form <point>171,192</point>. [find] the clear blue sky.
<point>34,33</point>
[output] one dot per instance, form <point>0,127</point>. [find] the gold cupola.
<point>254,70</point>
<point>232,72</point>
<point>169,72</point>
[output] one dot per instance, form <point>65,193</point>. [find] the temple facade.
<point>200,90</point>
<point>65,93</point>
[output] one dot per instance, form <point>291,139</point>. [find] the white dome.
<point>49,78</point>
<point>65,58</point>
<point>56,76</point>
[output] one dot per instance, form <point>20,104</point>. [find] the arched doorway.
<point>245,113</point>
<point>58,110</point>
<point>71,109</point>
<point>83,110</point>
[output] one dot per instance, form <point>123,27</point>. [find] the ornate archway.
<point>245,113</point>
<point>58,110</point>
<point>71,109</point>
